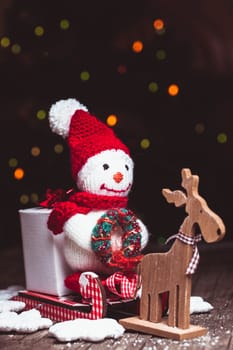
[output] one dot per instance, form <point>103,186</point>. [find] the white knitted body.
<point>78,252</point>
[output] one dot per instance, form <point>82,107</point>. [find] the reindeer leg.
<point>145,305</point>
<point>172,307</point>
<point>184,305</point>
<point>156,308</point>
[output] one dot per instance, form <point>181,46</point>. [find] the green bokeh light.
<point>222,137</point>
<point>84,75</point>
<point>13,162</point>
<point>161,55</point>
<point>41,114</point>
<point>153,87</point>
<point>39,31</point>
<point>64,24</point>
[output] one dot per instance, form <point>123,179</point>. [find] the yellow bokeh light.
<point>145,143</point>
<point>153,87</point>
<point>35,151</point>
<point>158,24</point>
<point>39,31</point>
<point>19,174</point>
<point>64,24</point>
<point>173,89</point>
<point>111,120</point>
<point>58,148</point>
<point>16,49</point>
<point>222,137</point>
<point>24,199</point>
<point>41,114</point>
<point>5,42</point>
<point>13,162</point>
<point>85,75</point>
<point>137,46</point>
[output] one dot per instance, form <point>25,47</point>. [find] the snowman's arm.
<point>79,230</point>
<point>144,233</point>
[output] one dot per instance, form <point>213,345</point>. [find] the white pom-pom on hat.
<point>60,115</point>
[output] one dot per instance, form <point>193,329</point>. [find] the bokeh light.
<point>34,197</point>
<point>24,199</point>
<point>137,46</point>
<point>19,174</point>
<point>16,49</point>
<point>145,143</point>
<point>64,24</point>
<point>153,87</point>
<point>84,75</point>
<point>111,120</point>
<point>222,137</point>
<point>58,148</point>
<point>161,55</point>
<point>200,128</point>
<point>158,24</point>
<point>39,31</point>
<point>173,89</point>
<point>12,162</point>
<point>41,114</point>
<point>35,151</point>
<point>5,42</point>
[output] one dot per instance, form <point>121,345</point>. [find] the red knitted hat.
<point>86,135</point>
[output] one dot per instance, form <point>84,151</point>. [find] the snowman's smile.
<point>103,187</point>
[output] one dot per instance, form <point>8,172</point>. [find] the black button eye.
<point>126,167</point>
<point>105,166</point>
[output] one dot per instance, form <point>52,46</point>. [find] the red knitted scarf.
<point>87,201</point>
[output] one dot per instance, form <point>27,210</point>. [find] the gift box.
<point>44,262</point>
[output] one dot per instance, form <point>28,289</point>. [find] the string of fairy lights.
<point>137,47</point>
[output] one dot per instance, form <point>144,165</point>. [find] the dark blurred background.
<point>86,50</point>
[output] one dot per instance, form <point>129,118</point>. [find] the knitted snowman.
<point>101,234</point>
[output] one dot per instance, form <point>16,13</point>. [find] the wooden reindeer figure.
<point>171,271</point>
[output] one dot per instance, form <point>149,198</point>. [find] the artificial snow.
<point>199,305</point>
<point>11,305</point>
<point>25,322</point>
<point>10,292</point>
<point>85,329</point>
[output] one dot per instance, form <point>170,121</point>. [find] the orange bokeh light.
<point>158,24</point>
<point>173,90</point>
<point>137,46</point>
<point>19,174</point>
<point>111,120</point>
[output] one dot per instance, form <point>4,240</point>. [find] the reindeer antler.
<point>177,197</point>
<point>189,182</point>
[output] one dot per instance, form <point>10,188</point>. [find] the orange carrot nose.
<point>118,177</point>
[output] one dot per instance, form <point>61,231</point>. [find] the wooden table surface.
<point>213,281</point>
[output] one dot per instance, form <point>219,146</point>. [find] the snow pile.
<point>84,329</point>
<point>25,322</point>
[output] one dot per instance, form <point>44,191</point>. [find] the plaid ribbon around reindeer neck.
<point>193,242</point>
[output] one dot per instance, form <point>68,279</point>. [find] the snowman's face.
<point>108,173</point>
